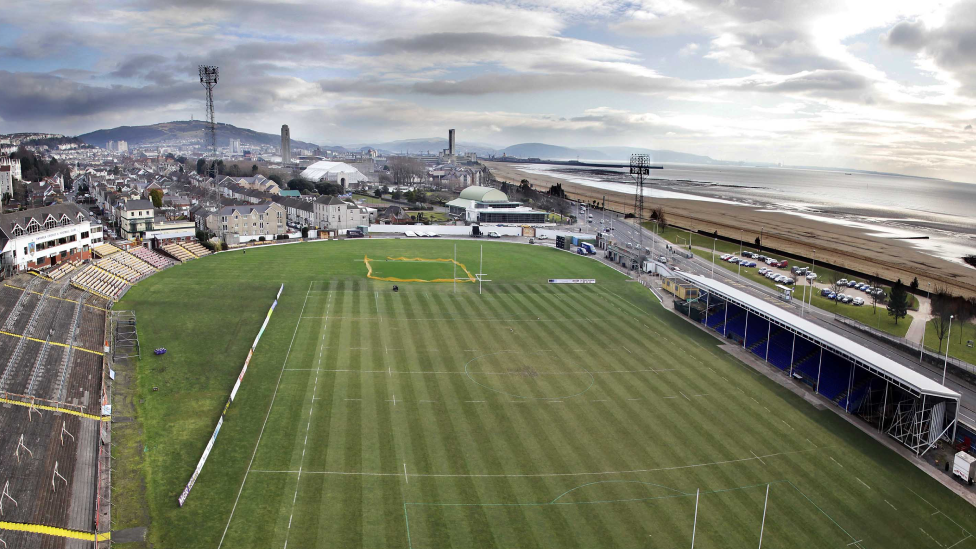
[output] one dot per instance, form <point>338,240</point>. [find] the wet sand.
<point>838,244</point>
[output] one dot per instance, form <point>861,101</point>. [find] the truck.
<point>588,248</point>
<point>964,466</point>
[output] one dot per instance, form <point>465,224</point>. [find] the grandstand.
<point>50,374</point>
<point>178,253</point>
<point>105,250</point>
<point>100,282</point>
<point>195,248</point>
<point>61,270</point>
<point>158,261</point>
<point>908,406</point>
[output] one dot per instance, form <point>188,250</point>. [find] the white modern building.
<point>334,172</point>
<point>488,205</point>
<point>41,237</point>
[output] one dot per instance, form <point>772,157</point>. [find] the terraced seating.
<point>125,258</point>
<point>178,252</point>
<point>105,250</point>
<point>100,282</point>
<point>61,270</point>
<point>158,261</point>
<point>196,249</point>
<point>118,269</point>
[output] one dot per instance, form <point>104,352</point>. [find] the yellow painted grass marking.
<point>369,273</point>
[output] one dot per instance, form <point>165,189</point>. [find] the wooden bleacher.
<point>100,282</point>
<point>105,250</point>
<point>178,252</point>
<point>196,249</point>
<point>61,270</point>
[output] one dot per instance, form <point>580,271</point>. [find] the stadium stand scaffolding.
<point>908,406</point>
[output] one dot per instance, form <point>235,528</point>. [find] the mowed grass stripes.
<point>532,415</point>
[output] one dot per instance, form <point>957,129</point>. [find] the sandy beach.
<point>838,244</point>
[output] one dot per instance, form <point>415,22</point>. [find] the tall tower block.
<point>285,144</point>
<point>450,141</point>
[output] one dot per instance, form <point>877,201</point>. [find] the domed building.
<point>488,205</point>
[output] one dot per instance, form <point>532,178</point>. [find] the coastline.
<point>857,248</point>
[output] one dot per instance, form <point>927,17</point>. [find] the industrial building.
<point>488,205</point>
<point>334,172</point>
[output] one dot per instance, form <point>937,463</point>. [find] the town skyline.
<point>882,87</point>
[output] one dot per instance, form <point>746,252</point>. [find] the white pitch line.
<point>405,477</point>
<point>628,350</point>
<point>960,541</point>
<point>684,395</point>
<point>890,505</point>
<point>538,475</point>
<point>266,416</point>
<point>757,457</point>
<point>835,461</point>
<point>864,483</point>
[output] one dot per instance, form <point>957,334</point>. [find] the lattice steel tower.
<point>208,77</point>
<point>640,165</point>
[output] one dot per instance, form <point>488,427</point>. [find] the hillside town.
<point>155,195</point>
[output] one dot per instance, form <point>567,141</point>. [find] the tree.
<point>181,159</point>
<point>276,178</point>
<point>405,169</point>
<point>201,166</point>
<point>156,195</point>
<point>914,284</point>
<point>378,192</point>
<point>940,325</point>
<point>301,184</point>
<point>758,244</point>
<point>170,156</point>
<point>326,188</point>
<point>835,285</point>
<point>254,169</point>
<point>898,302</point>
<point>396,194</point>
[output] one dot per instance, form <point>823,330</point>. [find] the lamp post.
<point>810,300</point>
<point>921,344</point>
<point>945,366</point>
<point>713,258</point>
<point>740,253</point>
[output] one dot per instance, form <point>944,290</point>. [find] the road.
<point>625,231</point>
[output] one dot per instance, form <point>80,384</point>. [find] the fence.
<point>961,368</point>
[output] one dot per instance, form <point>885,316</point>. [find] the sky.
<point>886,85</point>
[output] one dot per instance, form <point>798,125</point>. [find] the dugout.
<point>906,405</point>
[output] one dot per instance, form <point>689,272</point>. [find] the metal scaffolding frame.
<point>125,339</point>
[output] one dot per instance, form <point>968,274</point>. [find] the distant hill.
<point>623,153</point>
<point>186,130</point>
<point>551,152</point>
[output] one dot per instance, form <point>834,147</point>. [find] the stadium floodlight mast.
<point>208,77</point>
<point>640,166</point>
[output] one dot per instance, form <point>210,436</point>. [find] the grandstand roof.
<point>909,377</point>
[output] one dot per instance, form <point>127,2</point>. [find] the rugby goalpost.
<point>479,276</point>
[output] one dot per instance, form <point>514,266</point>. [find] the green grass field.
<point>533,415</point>
<point>958,342</point>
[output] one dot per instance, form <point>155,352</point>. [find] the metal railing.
<point>927,355</point>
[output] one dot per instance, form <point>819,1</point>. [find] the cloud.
<point>950,46</point>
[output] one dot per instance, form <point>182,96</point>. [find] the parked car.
<point>799,270</point>
<point>763,271</point>
<point>852,284</point>
<point>733,260</point>
<point>782,263</point>
<point>831,295</point>
<point>858,301</point>
<point>750,264</point>
<point>811,275</point>
<point>725,257</point>
<point>761,257</point>
<point>847,299</point>
<point>770,261</point>
<point>842,281</point>
<point>825,292</point>
<point>493,234</point>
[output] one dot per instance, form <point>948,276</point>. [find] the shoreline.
<point>838,243</point>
